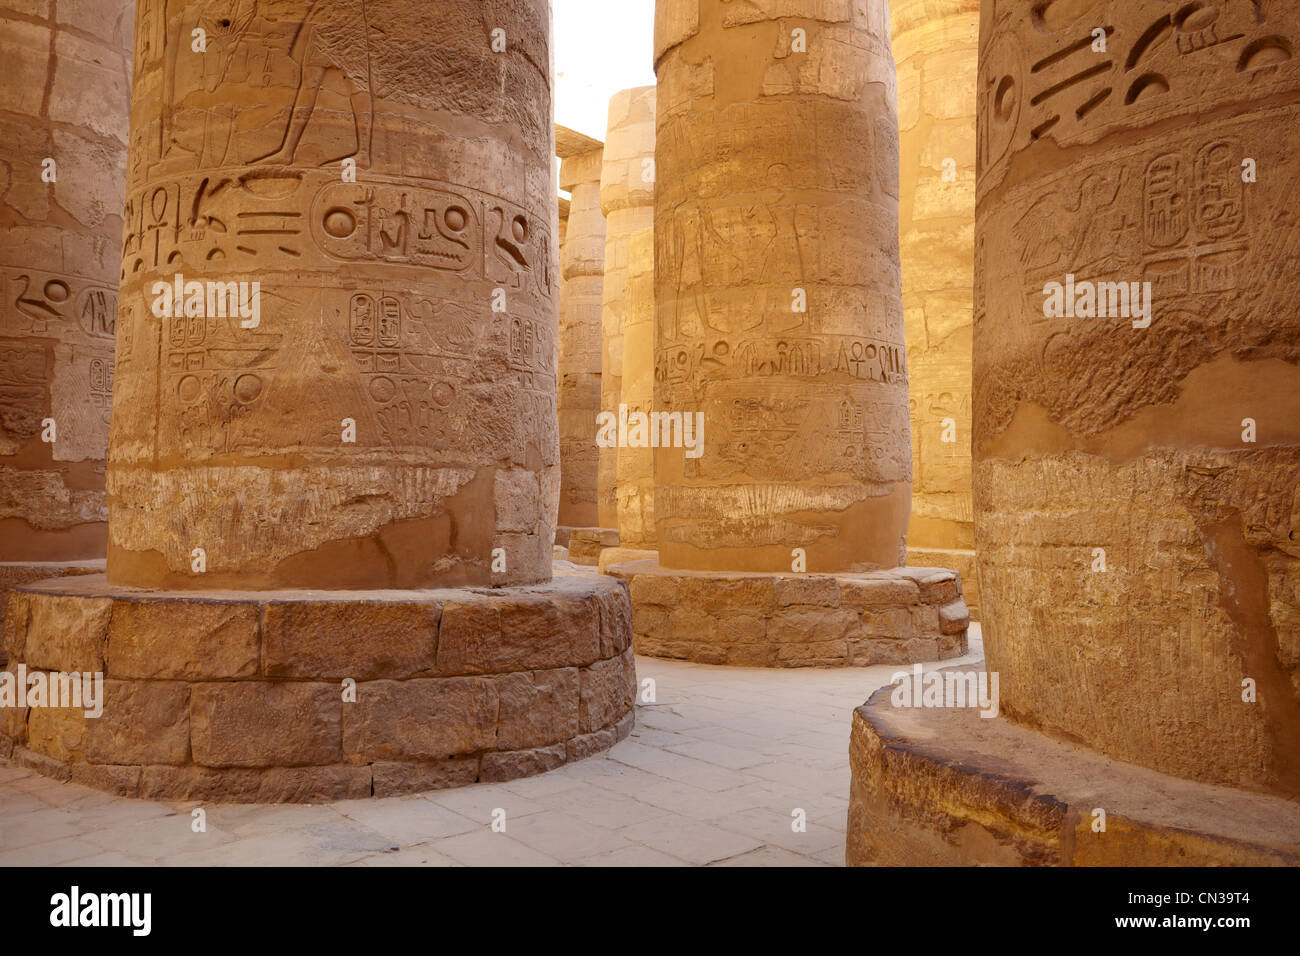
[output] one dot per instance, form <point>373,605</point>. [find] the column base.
<point>612,556</point>
<point>755,619</point>
<point>963,562</point>
<point>16,573</point>
<point>299,696</point>
<point>585,544</point>
<point>945,786</point>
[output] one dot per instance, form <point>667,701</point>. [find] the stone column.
<point>304,471</point>
<point>777,287</point>
<point>936,47</point>
<point>63,151</point>
<point>627,193</point>
<point>583,266</point>
<point>563,209</point>
<point>387,419</point>
<point>1136,452</point>
<point>781,514</point>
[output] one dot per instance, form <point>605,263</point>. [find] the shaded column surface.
<point>627,192</point>
<point>778,310</point>
<point>936,48</point>
<point>781,515</point>
<point>1136,434</point>
<point>63,135</point>
<point>1136,486</point>
<point>388,418</point>
<point>317,484</point>
<point>583,267</point>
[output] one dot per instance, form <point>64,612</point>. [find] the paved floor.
<point>712,775</point>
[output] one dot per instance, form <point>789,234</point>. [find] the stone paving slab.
<point>711,775</point>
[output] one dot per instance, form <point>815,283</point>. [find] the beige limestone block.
<point>627,190</point>
<point>1137,549</point>
<point>63,144</point>
<point>582,264</point>
<point>778,299</point>
<point>388,417</point>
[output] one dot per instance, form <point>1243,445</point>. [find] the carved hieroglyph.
<point>778,303</point>
<point>1138,489</point>
<point>582,264</point>
<point>627,196</point>
<point>415,303</point>
<point>63,133</point>
<point>936,48</point>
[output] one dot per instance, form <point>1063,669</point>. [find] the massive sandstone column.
<point>777,286</point>
<point>627,195</point>
<point>298,488</point>
<point>779,322</point>
<point>63,137</point>
<point>1137,505</point>
<point>583,266</point>
<point>1127,439</point>
<point>936,46</point>
<point>415,302</point>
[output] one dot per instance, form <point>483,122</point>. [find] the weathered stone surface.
<point>15,574</point>
<point>59,770</point>
<point>587,544</point>
<point>749,619</point>
<point>57,732</point>
<point>144,722</point>
<point>627,194</point>
<point>1104,441</point>
<point>501,766</point>
<point>396,778</point>
<point>961,561</point>
<point>537,709</point>
<point>273,785</point>
<point>588,745</point>
<point>121,780</point>
<point>817,590</point>
<point>935,45</point>
<point>582,264</point>
<point>363,640</point>
<point>261,724</point>
<point>954,618</point>
<point>13,720</point>
<point>66,93</point>
<point>945,786</point>
<point>608,692</point>
<point>622,555</point>
<point>13,637</point>
<point>524,632</point>
<point>421,719</point>
<point>527,701</point>
<point>777,289</point>
<point>376,301</point>
<point>67,634</point>
<point>184,640</point>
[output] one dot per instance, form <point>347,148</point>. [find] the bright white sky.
<point>601,47</point>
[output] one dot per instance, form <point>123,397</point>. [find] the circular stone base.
<point>288,696</point>
<point>585,544</point>
<point>936,786</point>
<point>16,573</point>
<point>754,619</point>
